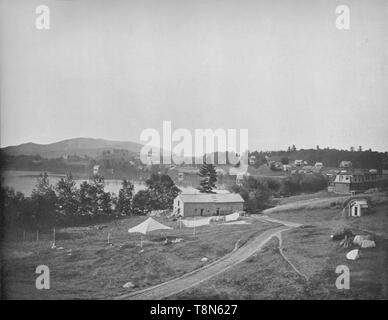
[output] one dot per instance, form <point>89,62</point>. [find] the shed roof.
<point>211,198</point>
<point>361,202</point>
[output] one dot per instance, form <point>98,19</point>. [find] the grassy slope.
<point>263,276</point>
<point>95,270</point>
<point>268,276</point>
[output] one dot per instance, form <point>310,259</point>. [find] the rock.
<point>353,255</point>
<point>129,285</point>
<point>359,239</point>
<point>204,259</point>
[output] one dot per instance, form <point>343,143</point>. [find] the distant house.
<point>318,165</point>
<point>308,169</point>
<point>207,204</point>
<point>95,169</point>
<point>220,171</point>
<point>354,181</point>
<point>287,167</point>
<point>345,164</point>
<point>299,162</point>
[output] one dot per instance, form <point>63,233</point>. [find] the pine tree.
<point>67,204</point>
<point>43,200</point>
<point>124,204</point>
<point>208,176</point>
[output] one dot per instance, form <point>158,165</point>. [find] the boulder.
<point>358,239</point>
<point>368,244</point>
<point>129,285</point>
<point>353,255</point>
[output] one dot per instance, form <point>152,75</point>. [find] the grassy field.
<point>88,268</point>
<point>263,276</point>
<point>321,200</point>
<point>268,276</point>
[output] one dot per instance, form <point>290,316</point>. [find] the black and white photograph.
<point>194,150</point>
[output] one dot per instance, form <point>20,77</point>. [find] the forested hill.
<point>79,147</point>
<point>331,157</point>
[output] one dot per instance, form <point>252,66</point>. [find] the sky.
<point>279,68</point>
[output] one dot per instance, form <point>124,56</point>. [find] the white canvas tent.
<point>147,226</point>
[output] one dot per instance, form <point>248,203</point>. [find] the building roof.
<point>211,197</point>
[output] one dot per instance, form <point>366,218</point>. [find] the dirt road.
<point>195,277</point>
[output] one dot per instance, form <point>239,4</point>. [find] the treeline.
<point>64,204</point>
<point>367,159</point>
<point>257,192</point>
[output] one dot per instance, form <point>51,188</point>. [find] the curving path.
<point>197,276</point>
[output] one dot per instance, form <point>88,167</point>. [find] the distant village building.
<point>299,162</point>
<point>220,171</point>
<point>345,164</point>
<point>318,165</point>
<point>240,178</point>
<point>356,207</point>
<point>207,204</point>
<point>95,169</point>
<point>354,181</point>
<point>308,169</point>
<point>287,167</point>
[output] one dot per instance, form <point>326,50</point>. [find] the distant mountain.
<point>78,146</point>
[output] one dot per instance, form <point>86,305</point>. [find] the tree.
<point>208,175</point>
<point>16,209</point>
<point>68,197</point>
<point>285,160</point>
<point>255,193</point>
<point>94,201</point>
<point>162,191</point>
<point>85,199</point>
<point>124,203</point>
<point>141,202</point>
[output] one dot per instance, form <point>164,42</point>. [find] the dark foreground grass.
<point>265,275</point>
<point>317,256</point>
<point>88,268</point>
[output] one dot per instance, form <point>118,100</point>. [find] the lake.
<point>25,182</point>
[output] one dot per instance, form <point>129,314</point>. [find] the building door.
<point>218,211</point>
<point>201,212</point>
<point>355,211</point>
